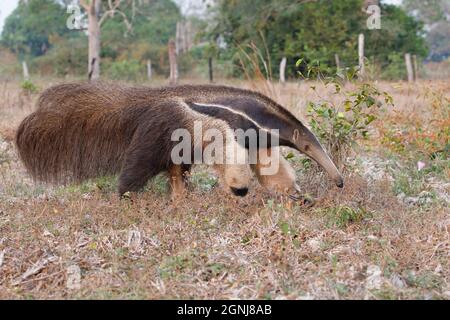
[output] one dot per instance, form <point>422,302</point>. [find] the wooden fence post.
<point>283,70</point>
<point>361,55</point>
<point>26,74</point>
<point>338,62</point>
<point>409,68</point>
<point>210,68</point>
<point>416,68</point>
<point>173,79</point>
<point>149,69</point>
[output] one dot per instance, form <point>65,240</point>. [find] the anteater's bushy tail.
<point>77,132</point>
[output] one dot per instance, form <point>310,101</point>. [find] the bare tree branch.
<point>85,5</point>
<point>113,9</point>
<point>110,13</point>
<point>113,6</point>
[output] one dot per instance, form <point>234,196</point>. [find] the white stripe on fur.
<point>235,112</point>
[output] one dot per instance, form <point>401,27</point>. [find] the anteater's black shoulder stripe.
<point>239,94</point>
<point>236,119</point>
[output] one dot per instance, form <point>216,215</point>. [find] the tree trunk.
<point>94,39</point>
<point>173,63</point>
<point>183,38</point>
<point>179,38</point>
<point>370,3</point>
<point>188,36</point>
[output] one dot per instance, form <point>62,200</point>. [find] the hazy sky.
<point>7,6</point>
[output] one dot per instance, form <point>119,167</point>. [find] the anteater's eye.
<point>307,147</point>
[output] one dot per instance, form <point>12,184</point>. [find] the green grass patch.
<point>174,266</point>
<point>159,184</point>
<point>343,216</point>
<point>426,280</point>
<point>204,181</point>
<point>385,294</point>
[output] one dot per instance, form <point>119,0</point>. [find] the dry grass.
<point>365,241</point>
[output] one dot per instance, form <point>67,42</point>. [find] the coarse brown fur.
<point>86,130</point>
<point>82,131</point>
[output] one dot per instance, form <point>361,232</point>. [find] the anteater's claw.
<point>294,197</point>
<point>126,195</point>
<point>303,200</point>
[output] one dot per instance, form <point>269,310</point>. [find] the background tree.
<point>28,29</point>
<point>400,33</point>
<point>436,15</point>
<point>151,20</point>
<point>154,23</point>
<point>134,31</point>
<point>315,31</point>
<point>95,20</point>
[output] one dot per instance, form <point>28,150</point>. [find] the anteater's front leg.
<point>178,178</point>
<point>142,162</point>
<point>282,179</point>
<point>136,171</point>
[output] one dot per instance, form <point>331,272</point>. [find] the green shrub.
<point>343,216</point>
<point>67,56</point>
<point>130,70</point>
<point>395,69</point>
<point>159,184</point>
<point>340,125</point>
<point>29,87</point>
<point>204,181</point>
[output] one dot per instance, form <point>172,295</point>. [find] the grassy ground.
<point>386,235</point>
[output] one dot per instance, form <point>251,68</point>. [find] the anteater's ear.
<point>296,136</point>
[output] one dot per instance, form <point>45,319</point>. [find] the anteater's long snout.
<point>322,158</point>
<point>310,146</point>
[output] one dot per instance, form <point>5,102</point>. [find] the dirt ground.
<point>386,235</point>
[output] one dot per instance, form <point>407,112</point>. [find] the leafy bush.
<point>395,69</point>
<point>29,87</point>
<point>281,29</point>
<point>67,56</point>
<point>204,181</point>
<point>130,70</point>
<point>340,125</point>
